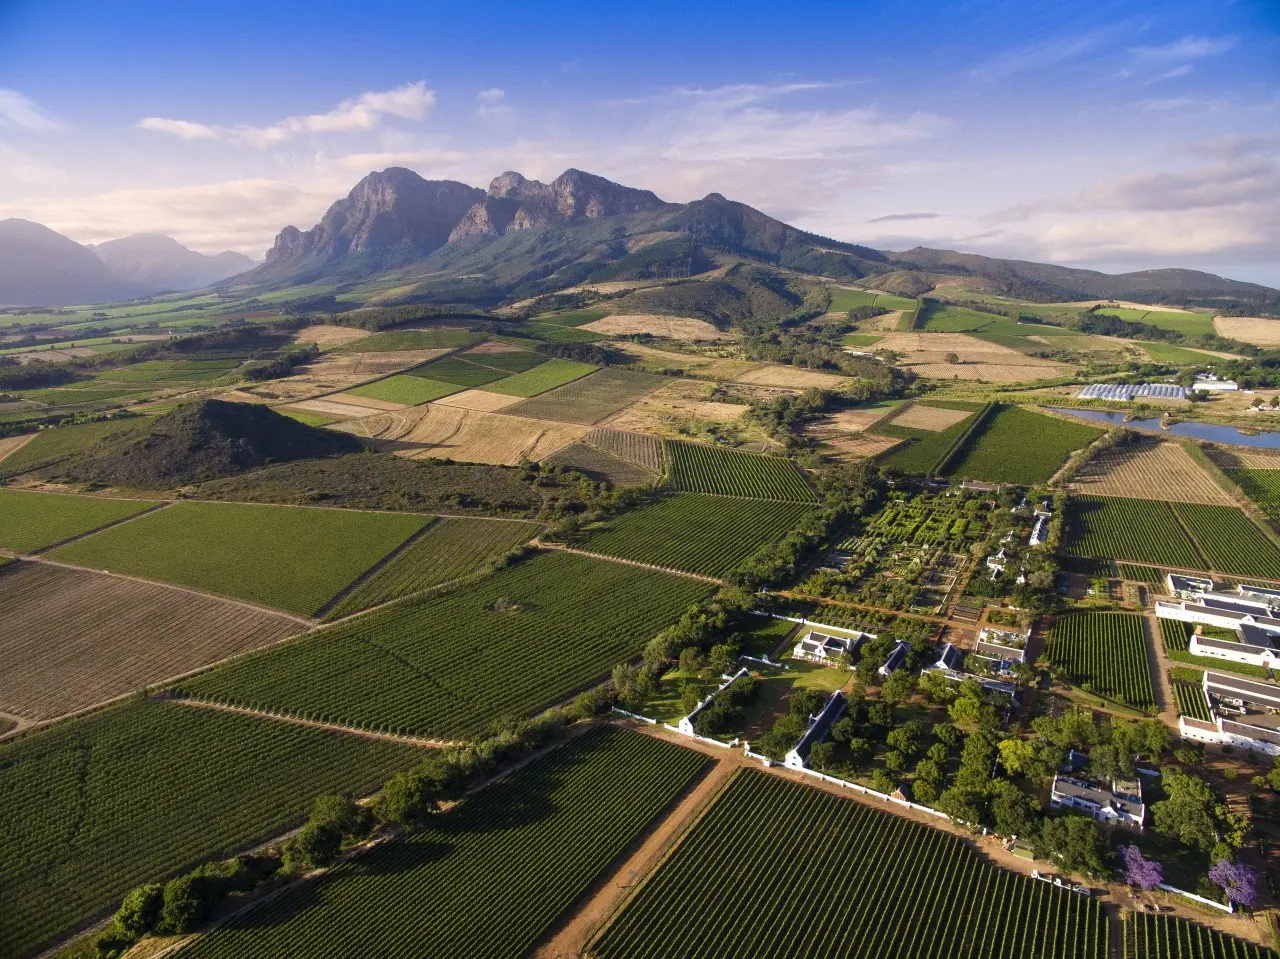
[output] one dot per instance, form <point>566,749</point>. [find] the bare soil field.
<point>852,421</point>
<point>9,444</point>
<point>495,346</point>
<point>989,372</point>
<point>932,418</point>
<point>73,638</point>
<point>465,436</point>
<point>327,335</point>
<point>1249,329</point>
<point>1245,459</point>
<point>940,344</point>
<point>667,410</point>
<point>851,446</point>
<point>792,377</point>
<point>480,401</point>
<point>341,371</point>
<point>672,327</point>
<point>1149,469</point>
<point>651,357</point>
<point>54,356</point>
<point>331,406</point>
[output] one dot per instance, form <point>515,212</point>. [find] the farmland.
<point>409,390</point>
<point>696,533</point>
<point>450,548</point>
<point>923,449</point>
<point>448,664</point>
<point>1191,324</point>
<point>509,861</point>
<point>291,559</point>
<point>644,451</point>
<point>467,436</point>
<point>590,399</point>
<point>1175,635</point>
<point>706,469</point>
<point>49,446</point>
<point>395,341</point>
<point>1149,936</point>
<point>1149,469</point>
<point>1260,485</point>
<point>1143,531</point>
<point>1191,701</point>
<point>459,372</point>
<point>548,376</point>
<point>601,466</point>
<point>140,791</point>
<point>837,878</point>
<point>73,638</point>
<point>1106,654</point>
<point>1230,540</point>
<point>1014,445</point>
<point>34,521</point>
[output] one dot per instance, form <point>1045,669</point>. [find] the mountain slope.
<point>41,267</point>
<point>162,263</point>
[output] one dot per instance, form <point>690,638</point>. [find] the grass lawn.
<point>32,521</point>
<point>410,390</point>
<point>778,685</point>
<point>548,376</point>
<point>290,558</point>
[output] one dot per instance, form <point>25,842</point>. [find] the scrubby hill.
<point>200,441</point>
<point>902,283</point>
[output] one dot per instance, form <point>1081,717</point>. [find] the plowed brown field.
<point>466,436</point>
<point>1149,469</point>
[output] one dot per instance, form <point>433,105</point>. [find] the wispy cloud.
<point>363,113</point>
<point>493,103</point>
<point>895,217</point>
<point>1188,48</point>
<point>1037,56</point>
<point>22,113</point>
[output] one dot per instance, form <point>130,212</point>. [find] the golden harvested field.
<point>1246,459</point>
<point>853,421</point>
<point>851,446</point>
<point>54,356</point>
<point>10,443</point>
<point>325,335</point>
<point>465,436</point>
<point>651,357</point>
<point>725,369</point>
<point>665,411</point>
<point>989,372</point>
<point>1149,469</point>
<point>368,402</point>
<point>1249,329</point>
<point>792,377</point>
<point>340,371</point>
<point>932,418</point>
<point>938,345</point>
<point>332,406</point>
<point>73,638</point>
<point>673,327</point>
<point>495,346</point>
<point>481,401</point>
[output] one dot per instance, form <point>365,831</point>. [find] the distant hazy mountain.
<point>162,263</point>
<point>41,267</point>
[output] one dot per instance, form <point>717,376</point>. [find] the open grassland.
<point>590,399</point>
<point>450,548</point>
<point>1148,936</point>
<point>922,449</point>
<point>1015,445</point>
<point>449,664</point>
<point>838,878</point>
<point>72,638</point>
<point>1106,654</point>
<point>696,533</point>
<point>1149,469</point>
<point>1139,530</point>
<point>941,318</point>
<point>292,559</point>
<point>34,521</point>
<point>395,341</point>
<point>1260,485</point>
<point>408,390</point>
<point>601,466</point>
<point>467,436</point>
<point>707,469</point>
<point>548,376</point>
<point>638,448</point>
<point>1191,324</point>
<point>132,794</point>
<point>509,861</point>
<point>1230,540</point>
<point>51,445</point>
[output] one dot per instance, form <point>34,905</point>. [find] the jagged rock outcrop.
<point>392,208</point>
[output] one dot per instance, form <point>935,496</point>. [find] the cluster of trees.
<point>791,725</point>
<point>282,365</point>
<point>725,712</point>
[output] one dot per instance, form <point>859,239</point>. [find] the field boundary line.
<point>15,449</point>
<point>372,571</point>
<point>100,529</point>
<point>628,562</point>
<point>1186,531</point>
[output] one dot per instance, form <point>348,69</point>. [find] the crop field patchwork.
<point>601,466</point>
<point>838,878</point>
<point>290,558</point>
<point>455,370</point>
<point>395,341</point>
<point>933,419</point>
<point>922,449</point>
<point>135,793</point>
<point>1149,469</point>
<point>639,448</point>
<point>548,376</point>
<point>592,398</point>
<point>1015,445</point>
<point>707,469</point>
<point>440,431</point>
<point>507,358</point>
<point>1192,324</point>
<point>1138,530</point>
<point>1148,936</point>
<point>509,861</point>
<point>449,664</point>
<point>73,638</point>
<point>703,534</point>
<point>409,390</point>
<point>450,548</point>
<point>1106,654</point>
<point>33,521</point>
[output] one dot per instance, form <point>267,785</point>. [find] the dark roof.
<point>1266,694</point>
<point>821,724</point>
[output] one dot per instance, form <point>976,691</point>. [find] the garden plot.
<point>74,638</point>
<point>672,327</point>
<point>1149,469</point>
<point>465,436</point>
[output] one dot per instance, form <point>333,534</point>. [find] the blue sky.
<point>1117,135</point>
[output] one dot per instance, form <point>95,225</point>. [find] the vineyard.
<point>544,377</point>
<point>488,878</point>
<point>450,548</point>
<point>138,792</point>
<point>49,446</point>
<point>34,521</point>
<point>706,469</point>
<point>1139,530</point>
<point>1105,654</point>
<point>1019,446</point>
<point>1230,540</point>
<point>73,638</point>
<point>779,869</point>
<point>1148,936</point>
<point>1176,635</point>
<point>1140,574</point>
<point>450,664</point>
<point>1191,701</point>
<point>1260,485</point>
<point>591,398</point>
<point>638,448</point>
<point>409,390</point>
<point>291,559</point>
<point>923,449</point>
<point>600,466</point>
<point>698,534</point>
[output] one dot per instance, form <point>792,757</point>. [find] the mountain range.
<point>398,238</point>
<point>41,267</point>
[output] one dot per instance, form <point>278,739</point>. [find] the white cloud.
<point>363,113</point>
<point>363,163</point>
<point>1188,48</point>
<point>23,113</point>
<point>492,95</point>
